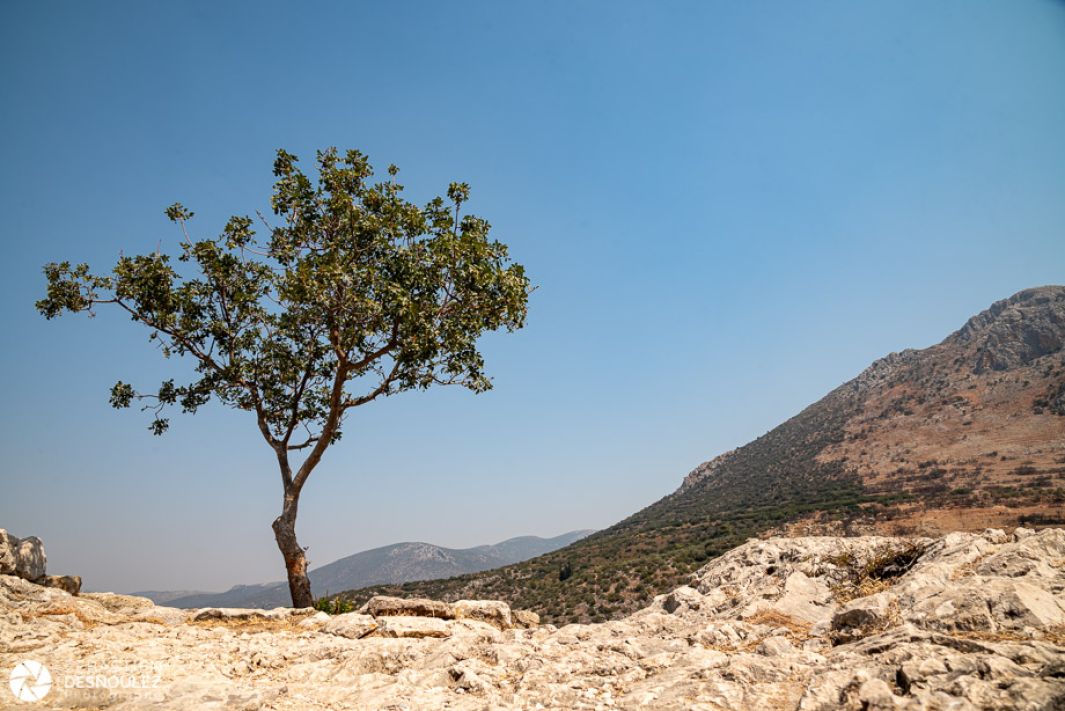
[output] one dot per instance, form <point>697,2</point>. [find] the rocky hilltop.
<point>966,621</point>
<point>964,435</point>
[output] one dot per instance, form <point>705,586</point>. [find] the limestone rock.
<point>67,583</point>
<point>352,625</point>
<point>30,560</point>
<point>491,611</point>
<point>864,616</point>
<point>386,606</point>
<point>767,625</point>
<point>237,614</point>
<point>8,553</point>
<point>776,646</point>
<point>413,627</point>
<point>524,618</point>
<point>683,598</point>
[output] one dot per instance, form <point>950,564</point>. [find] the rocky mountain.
<point>966,621</point>
<point>397,563</point>
<point>963,435</point>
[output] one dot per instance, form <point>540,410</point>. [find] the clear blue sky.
<point>729,209</point>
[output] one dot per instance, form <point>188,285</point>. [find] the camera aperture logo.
<point>30,681</point>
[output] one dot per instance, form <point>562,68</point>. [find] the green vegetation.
<point>771,481</point>
<point>334,606</point>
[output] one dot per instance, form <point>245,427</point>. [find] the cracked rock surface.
<point>967,621</point>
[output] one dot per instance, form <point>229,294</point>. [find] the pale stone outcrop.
<point>493,612</point>
<point>352,625</point>
<point>864,616</point>
<point>524,618</point>
<point>67,583</point>
<point>25,558</point>
<point>8,553</point>
<point>238,614</point>
<point>385,606</point>
<point>30,560</point>
<point>811,624</point>
<point>414,627</point>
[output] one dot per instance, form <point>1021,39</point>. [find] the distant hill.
<point>165,597</point>
<point>965,434</point>
<point>397,563</point>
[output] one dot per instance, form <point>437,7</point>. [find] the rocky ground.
<point>968,621</point>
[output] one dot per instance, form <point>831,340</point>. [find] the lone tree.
<point>357,294</point>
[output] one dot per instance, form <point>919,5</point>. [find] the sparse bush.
<point>334,606</point>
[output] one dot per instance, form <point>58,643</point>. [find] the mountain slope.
<point>962,435</point>
<point>397,563</point>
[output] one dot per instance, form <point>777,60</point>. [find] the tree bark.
<point>299,585</point>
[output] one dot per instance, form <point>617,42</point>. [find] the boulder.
<point>386,606</point>
<point>493,612</point>
<point>30,560</point>
<point>876,695</point>
<point>316,621</point>
<point>68,583</point>
<point>352,625</point>
<point>776,646</point>
<point>525,619</point>
<point>805,599</point>
<point>681,599</point>
<point>23,557</point>
<point>464,677</point>
<point>8,553</point>
<point>864,616</point>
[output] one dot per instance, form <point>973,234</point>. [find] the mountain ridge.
<point>964,434</point>
<point>397,562</point>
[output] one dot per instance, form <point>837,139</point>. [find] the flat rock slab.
<point>412,627</point>
<point>352,625</point>
<point>493,612</point>
<point>238,614</point>
<point>387,606</point>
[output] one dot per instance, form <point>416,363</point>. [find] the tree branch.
<point>303,445</point>
<point>328,430</point>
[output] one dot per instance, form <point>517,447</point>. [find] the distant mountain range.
<point>966,434</point>
<point>397,563</point>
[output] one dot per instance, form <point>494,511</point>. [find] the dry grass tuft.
<point>1053,635</point>
<point>84,619</point>
<point>845,592</point>
<point>878,573</point>
<point>773,618</point>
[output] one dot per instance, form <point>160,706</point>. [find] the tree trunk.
<point>299,585</point>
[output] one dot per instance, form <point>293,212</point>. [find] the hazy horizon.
<point>728,211</point>
<point>280,579</point>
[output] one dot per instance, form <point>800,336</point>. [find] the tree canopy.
<point>355,294</point>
